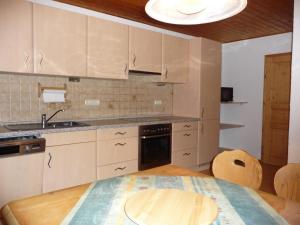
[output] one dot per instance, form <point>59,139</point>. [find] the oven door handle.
<point>155,136</point>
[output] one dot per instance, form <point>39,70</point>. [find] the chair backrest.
<point>237,166</point>
<point>287,182</point>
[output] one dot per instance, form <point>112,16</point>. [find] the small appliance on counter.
<point>226,94</point>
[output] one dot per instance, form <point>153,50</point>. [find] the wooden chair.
<point>237,166</point>
<point>287,182</point>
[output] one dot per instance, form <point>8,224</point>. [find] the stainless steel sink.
<point>38,126</point>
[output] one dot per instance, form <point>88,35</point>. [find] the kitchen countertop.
<point>102,123</point>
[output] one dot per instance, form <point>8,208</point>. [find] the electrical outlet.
<point>92,102</point>
<point>157,102</point>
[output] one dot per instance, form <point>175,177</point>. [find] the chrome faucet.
<point>45,120</point>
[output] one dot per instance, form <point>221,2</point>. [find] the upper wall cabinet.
<point>107,55</point>
<point>59,41</point>
<point>16,36</point>
<point>210,79</point>
<point>145,50</point>
<point>175,59</point>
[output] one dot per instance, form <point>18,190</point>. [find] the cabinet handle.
<point>202,113</point>
<point>49,161</point>
<point>188,126</point>
<point>186,154</point>
<point>26,59</point>
<point>126,67</point>
<point>41,59</point>
<point>187,135</point>
<point>120,133</point>
<point>120,144</point>
<point>166,73</point>
<point>120,168</point>
<point>134,59</point>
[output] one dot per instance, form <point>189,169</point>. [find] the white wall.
<point>294,136</point>
<point>243,69</point>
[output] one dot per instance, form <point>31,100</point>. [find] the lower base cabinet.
<point>69,165</point>
<point>20,177</point>
<point>208,140</point>
<point>186,158</point>
<point>117,169</point>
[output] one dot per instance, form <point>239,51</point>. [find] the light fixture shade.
<point>189,12</point>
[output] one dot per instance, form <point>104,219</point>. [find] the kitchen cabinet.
<point>20,176</point>
<point>210,79</point>
<point>69,165</point>
<point>184,144</point>
<point>208,140</point>
<point>200,95</point>
<point>117,151</point>
<point>59,41</point>
<point>175,59</point>
<point>145,50</point>
<point>107,51</point>
<point>71,162</point>
<point>16,36</point>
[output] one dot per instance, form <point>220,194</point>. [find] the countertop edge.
<point>6,133</point>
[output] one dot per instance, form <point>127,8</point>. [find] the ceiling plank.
<point>260,18</point>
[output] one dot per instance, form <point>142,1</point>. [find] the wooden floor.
<point>268,177</point>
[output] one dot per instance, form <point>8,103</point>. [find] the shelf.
<point>237,103</point>
<point>230,126</point>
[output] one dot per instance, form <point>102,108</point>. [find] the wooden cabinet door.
<point>175,59</point>
<point>16,36</point>
<point>59,41</point>
<point>210,80</point>
<point>208,143</point>
<point>107,55</point>
<point>69,165</point>
<point>20,176</point>
<point>145,49</point>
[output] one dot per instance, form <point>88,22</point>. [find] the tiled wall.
<point>19,101</point>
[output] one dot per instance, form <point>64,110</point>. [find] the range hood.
<point>143,73</point>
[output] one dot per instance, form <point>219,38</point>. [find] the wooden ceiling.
<point>260,18</point>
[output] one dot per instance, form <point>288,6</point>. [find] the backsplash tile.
<point>118,98</point>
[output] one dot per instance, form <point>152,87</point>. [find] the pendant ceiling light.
<point>190,12</point>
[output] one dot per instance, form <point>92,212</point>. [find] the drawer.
<point>185,126</point>
<point>184,139</point>
<point>117,169</point>
<point>117,150</point>
<point>186,158</point>
<point>121,132</point>
<point>65,138</point>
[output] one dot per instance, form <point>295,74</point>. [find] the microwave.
<point>226,94</point>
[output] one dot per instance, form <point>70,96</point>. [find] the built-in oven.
<point>154,145</point>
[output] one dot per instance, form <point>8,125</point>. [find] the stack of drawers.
<point>117,151</point>
<point>184,144</point>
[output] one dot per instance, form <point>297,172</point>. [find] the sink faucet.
<point>45,120</point>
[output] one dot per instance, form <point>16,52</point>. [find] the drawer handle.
<point>120,133</point>
<point>186,154</point>
<point>50,158</point>
<point>120,144</point>
<point>120,168</point>
<point>187,126</point>
<point>187,135</point>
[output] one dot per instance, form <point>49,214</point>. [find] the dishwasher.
<point>21,167</point>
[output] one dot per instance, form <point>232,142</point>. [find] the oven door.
<point>154,151</point>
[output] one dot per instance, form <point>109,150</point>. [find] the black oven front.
<point>154,145</point>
